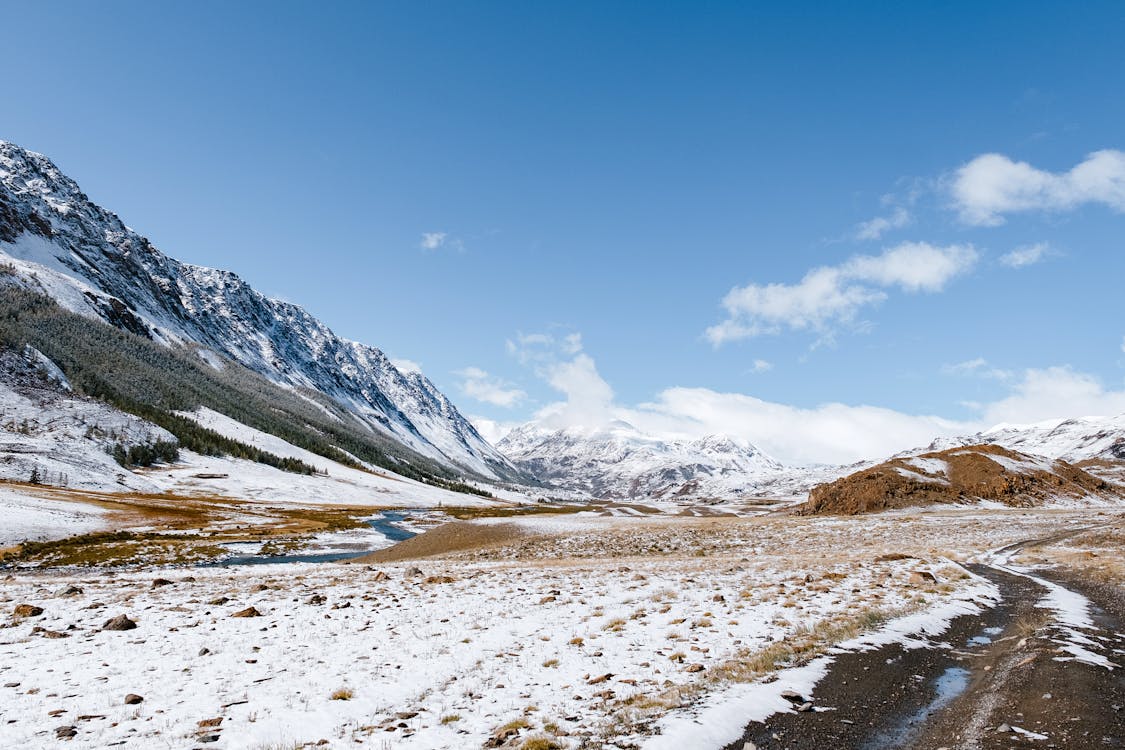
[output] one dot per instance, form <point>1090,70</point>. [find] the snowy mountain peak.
<point>620,461</point>
<point>91,263</point>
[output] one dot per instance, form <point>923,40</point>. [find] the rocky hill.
<point>985,473</point>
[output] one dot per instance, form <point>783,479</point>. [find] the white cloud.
<point>829,296</point>
<point>1025,256</point>
<point>406,365</point>
<point>1054,393</point>
<point>479,385</point>
<point>828,433</point>
<point>761,365</point>
<point>492,430</point>
<point>880,225</point>
<point>432,240</point>
<point>992,185</point>
<point>825,433</point>
<point>978,367</point>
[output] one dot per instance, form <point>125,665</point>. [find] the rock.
<point>121,622</point>
<point>204,651</point>
<point>66,732</point>
<point>27,610</point>
<point>412,572</point>
<point>248,612</point>
<point>1003,728</point>
<point>133,699</point>
<point>219,601</point>
<point>210,722</point>
<point>599,679</point>
<point>380,576</point>
<point>718,598</point>
<point>316,599</point>
<point>695,668</point>
<point>70,590</point>
<point>792,696</point>
<point>749,746</point>
<point>157,583</point>
<point>805,707</point>
<point>439,579</point>
<point>920,577</point>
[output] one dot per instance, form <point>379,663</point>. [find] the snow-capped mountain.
<point>620,462</point>
<point>1079,439</point>
<point>85,258</point>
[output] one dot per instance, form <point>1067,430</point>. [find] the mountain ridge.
<point>90,262</point>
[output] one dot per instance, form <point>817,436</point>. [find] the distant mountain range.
<point>620,462</point>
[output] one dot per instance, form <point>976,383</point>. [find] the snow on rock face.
<point>91,263</point>
<point>57,438</point>
<point>1069,439</point>
<point>618,461</point>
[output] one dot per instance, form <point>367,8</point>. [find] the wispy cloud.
<point>478,384</point>
<point>830,296</point>
<point>880,225</point>
<point>760,366</point>
<point>432,241</point>
<point>992,185</point>
<point>978,367</point>
<point>1026,256</point>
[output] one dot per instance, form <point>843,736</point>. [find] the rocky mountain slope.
<point>82,256</point>
<point>963,474</point>
<point>1079,439</point>
<point>620,462</point>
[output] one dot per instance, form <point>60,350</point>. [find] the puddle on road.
<point>949,684</point>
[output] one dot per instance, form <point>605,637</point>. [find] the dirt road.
<point>1044,668</point>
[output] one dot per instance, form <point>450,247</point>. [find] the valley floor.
<point>549,631</point>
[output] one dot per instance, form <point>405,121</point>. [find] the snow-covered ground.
<point>580,634</point>
<point>24,517</point>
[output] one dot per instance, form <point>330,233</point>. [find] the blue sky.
<point>545,205</point>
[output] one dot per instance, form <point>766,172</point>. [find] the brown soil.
<point>889,697</point>
<point>972,476</point>
<point>451,537</point>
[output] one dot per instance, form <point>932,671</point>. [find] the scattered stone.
<point>157,583</point>
<point>316,599</point>
<point>695,668</point>
<point>1003,729</point>
<point>413,572</point>
<point>66,732</point>
<point>121,622</point>
<point>133,699</point>
<point>749,746</point>
<point>204,651</point>
<point>27,610</point>
<point>600,679</point>
<point>70,590</point>
<point>248,612</point>
<point>219,601</point>
<point>805,707</point>
<point>792,696</point>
